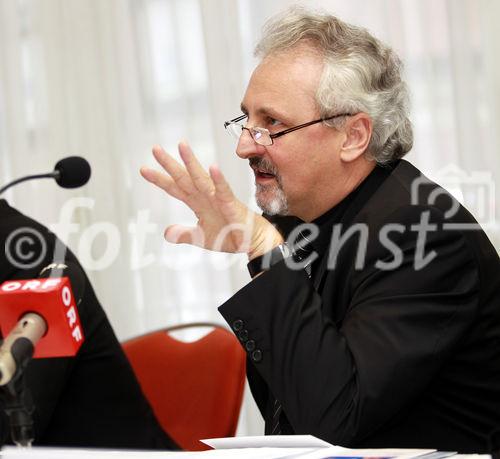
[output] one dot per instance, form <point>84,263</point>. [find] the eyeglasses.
<point>262,136</point>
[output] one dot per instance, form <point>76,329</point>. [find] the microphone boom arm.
<point>54,174</point>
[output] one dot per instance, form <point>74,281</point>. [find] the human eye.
<point>273,122</point>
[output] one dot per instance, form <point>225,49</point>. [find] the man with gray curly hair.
<point>360,74</point>
<point>376,323</point>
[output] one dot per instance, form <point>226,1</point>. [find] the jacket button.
<point>243,335</point>
<point>250,345</point>
<point>237,325</point>
<point>257,355</point>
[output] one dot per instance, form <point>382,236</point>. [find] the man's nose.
<point>248,147</point>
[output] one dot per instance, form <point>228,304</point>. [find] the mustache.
<point>263,165</point>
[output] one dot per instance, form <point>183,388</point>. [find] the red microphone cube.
<point>51,298</point>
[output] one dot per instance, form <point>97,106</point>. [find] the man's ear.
<point>358,132</point>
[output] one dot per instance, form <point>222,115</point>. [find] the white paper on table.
<point>268,441</point>
<point>339,451</point>
<point>71,453</point>
<point>257,453</point>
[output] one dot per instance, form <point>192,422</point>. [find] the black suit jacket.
<point>93,399</point>
<point>376,355</point>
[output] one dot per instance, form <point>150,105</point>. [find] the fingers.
<point>222,189</point>
<point>178,234</point>
<point>198,175</point>
<point>164,182</point>
<point>184,183</point>
<point>174,169</point>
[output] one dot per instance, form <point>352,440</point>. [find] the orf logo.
<point>71,314</point>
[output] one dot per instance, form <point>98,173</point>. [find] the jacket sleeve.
<point>342,381</point>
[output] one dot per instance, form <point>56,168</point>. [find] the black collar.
<point>346,209</point>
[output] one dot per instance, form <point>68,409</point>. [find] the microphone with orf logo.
<point>39,318</point>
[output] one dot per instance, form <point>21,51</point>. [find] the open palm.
<point>224,224</point>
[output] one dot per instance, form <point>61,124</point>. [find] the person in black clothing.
<point>92,399</point>
<point>380,326</point>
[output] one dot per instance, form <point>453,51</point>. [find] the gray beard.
<point>277,205</point>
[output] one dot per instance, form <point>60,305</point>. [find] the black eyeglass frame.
<point>285,131</point>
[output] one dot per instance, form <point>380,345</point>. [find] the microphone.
<point>70,172</point>
<point>39,318</point>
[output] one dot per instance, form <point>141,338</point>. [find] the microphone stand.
<point>55,175</point>
<point>19,407</point>
<point>18,402</point>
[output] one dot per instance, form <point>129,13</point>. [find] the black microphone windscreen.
<point>74,172</point>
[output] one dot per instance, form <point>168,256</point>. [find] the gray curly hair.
<point>360,74</point>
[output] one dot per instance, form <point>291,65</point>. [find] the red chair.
<point>195,388</point>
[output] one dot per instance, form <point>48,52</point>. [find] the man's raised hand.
<point>224,224</point>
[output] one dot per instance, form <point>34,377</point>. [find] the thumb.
<point>178,234</point>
